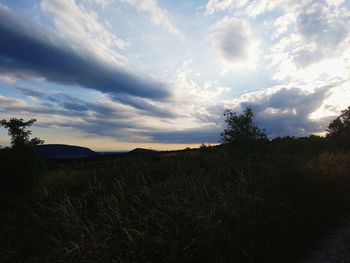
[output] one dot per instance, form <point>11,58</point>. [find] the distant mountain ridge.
<point>63,151</point>
<point>142,151</point>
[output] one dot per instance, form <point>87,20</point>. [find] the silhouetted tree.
<point>341,125</point>
<point>20,165</point>
<point>241,129</point>
<point>339,129</point>
<point>19,133</point>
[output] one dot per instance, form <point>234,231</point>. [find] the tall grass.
<point>212,205</point>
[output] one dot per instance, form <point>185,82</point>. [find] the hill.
<point>141,151</point>
<point>62,151</point>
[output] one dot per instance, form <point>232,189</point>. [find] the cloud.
<point>100,118</point>
<point>310,43</point>
<point>76,23</point>
<point>58,111</point>
<point>27,49</point>
<point>157,15</point>
<point>199,135</point>
<point>287,111</point>
<point>147,106</point>
<point>11,102</point>
<point>69,102</point>
<point>214,6</point>
<point>11,106</point>
<point>232,38</point>
<point>315,24</point>
<point>106,118</point>
<point>314,30</point>
<point>281,110</point>
<point>321,33</point>
<point>119,108</point>
<point>102,3</point>
<point>246,7</point>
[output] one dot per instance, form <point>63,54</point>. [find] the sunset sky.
<point>121,74</point>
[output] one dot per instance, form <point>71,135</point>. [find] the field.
<point>269,203</point>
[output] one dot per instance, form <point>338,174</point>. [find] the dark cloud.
<point>72,103</point>
<point>116,129</point>
<point>91,118</point>
<point>287,111</point>
<point>9,106</point>
<point>104,121</point>
<point>29,49</point>
<point>100,120</point>
<point>68,102</point>
<point>230,37</point>
<point>144,105</point>
<point>200,135</point>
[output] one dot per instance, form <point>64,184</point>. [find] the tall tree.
<point>18,131</point>
<point>241,129</point>
<point>340,126</point>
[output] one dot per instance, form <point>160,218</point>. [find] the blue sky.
<point>120,74</point>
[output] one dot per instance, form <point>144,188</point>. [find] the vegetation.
<point>241,129</point>
<point>214,204</point>
<point>339,128</point>
<point>18,130</point>
<point>20,165</point>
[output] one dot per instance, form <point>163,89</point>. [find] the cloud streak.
<point>157,15</point>
<point>28,49</point>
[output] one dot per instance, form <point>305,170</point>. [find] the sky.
<point>114,75</point>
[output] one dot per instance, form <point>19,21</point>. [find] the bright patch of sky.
<point>119,74</point>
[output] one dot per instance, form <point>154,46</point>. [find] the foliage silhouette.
<point>18,130</point>
<point>21,166</point>
<point>339,129</point>
<point>340,125</point>
<point>241,129</point>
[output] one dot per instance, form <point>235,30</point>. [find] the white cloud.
<point>319,25</point>
<point>260,6</point>
<point>233,40</point>
<point>196,105</point>
<point>310,43</point>
<point>83,28</point>
<point>12,102</point>
<point>214,6</point>
<point>335,2</point>
<point>157,15</point>
<point>102,3</point>
<point>246,7</point>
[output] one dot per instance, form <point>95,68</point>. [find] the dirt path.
<point>335,248</point>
